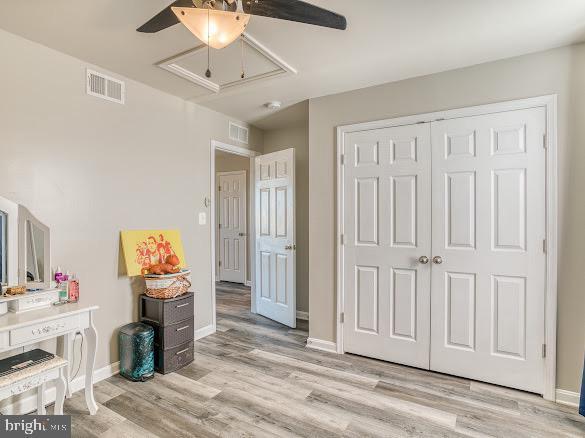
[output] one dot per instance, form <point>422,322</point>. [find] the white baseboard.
<point>29,403</point>
<point>204,331</point>
<point>319,344</point>
<point>568,398</point>
<point>302,315</point>
<point>249,283</point>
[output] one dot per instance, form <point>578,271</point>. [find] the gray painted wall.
<point>297,137</point>
<point>89,168</point>
<point>558,71</point>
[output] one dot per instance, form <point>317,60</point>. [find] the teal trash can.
<point>136,344</point>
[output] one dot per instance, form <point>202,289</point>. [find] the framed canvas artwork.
<point>143,248</point>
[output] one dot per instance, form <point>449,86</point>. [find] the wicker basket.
<point>167,286</point>
<point>16,290</point>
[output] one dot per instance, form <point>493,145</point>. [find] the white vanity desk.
<point>22,329</point>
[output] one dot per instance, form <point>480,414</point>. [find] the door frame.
<point>247,281</point>
<point>236,150</point>
<point>549,102</point>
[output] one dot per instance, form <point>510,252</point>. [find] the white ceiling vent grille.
<point>238,133</point>
<point>105,87</point>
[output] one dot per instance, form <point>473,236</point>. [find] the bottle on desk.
<point>73,289</point>
<point>68,286</point>
<point>63,286</point>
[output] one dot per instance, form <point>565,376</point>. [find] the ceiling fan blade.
<point>295,10</point>
<point>165,18</point>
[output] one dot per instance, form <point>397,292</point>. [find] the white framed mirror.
<point>3,248</point>
<point>25,248</point>
<point>34,251</point>
<point>8,242</point>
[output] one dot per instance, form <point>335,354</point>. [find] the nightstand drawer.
<point>165,312</point>
<point>170,336</point>
<point>167,361</point>
<point>38,332</point>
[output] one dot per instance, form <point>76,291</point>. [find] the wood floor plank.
<point>371,399</point>
<point>450,401</point>
<point>162,421</point>
<point>242,415</point>
<point>104,391</point>
<point>256,378</point>
<point>315,369</point>
<point>226,374</point>
<point>280,416</point>
<point>127,429</point>
<point>194,371</point>
<point>388,422</point>
<point>82,423</point>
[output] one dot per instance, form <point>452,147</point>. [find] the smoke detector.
<point>274,105</point>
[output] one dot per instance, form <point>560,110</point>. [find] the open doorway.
<point>231,230</point>
<point>232,221</point>
<point>253,222</point>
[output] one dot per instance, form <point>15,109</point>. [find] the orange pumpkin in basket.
<point>161,269</point>
<point>173,260</point>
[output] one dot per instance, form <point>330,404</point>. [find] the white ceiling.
<point>386,40</point>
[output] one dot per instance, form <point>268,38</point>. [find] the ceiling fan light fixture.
<point>224,27</point>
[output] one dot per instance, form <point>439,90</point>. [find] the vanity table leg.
<point>41,400</point>
<point>60,386</point>
<point>91,341</point>
<point>68,355</point>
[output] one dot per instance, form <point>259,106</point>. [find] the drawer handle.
<point>182,351</point>
<point>182,305</point>
<point>183,328</point>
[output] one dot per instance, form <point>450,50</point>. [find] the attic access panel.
<point>226,65</point>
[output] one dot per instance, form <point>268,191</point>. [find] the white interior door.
<point>488,230</point>
<point>275,236</point>
<point>387,229</point>
<point>477,308</point>
<point>232,226</point>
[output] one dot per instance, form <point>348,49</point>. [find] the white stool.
<point>36,377</point>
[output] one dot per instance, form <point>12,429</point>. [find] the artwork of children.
<point>149,250</point>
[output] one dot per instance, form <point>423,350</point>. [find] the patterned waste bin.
<point>136,343</point>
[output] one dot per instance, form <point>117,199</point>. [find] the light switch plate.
<point>202,218</point>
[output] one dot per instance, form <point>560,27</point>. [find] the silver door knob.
<point>437,260</point>
<point>241,234</point>
<point>288,247</point>
<point>423,260</point>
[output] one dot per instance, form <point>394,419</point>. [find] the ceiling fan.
<point>220,22</point>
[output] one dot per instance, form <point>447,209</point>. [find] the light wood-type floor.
<point>255,377</point>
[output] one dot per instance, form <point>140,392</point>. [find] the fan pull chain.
<point>208,72</point>
<point>243,67</point>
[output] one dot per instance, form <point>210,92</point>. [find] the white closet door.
<point>232,226</point>
<point>387,226</point>
<point>487,306</point>
<point>275,236</point>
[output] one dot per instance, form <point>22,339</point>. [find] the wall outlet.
<point>202,218</point>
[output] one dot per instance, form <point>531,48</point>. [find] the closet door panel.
<point>387,226</point>
<point>487,307</point>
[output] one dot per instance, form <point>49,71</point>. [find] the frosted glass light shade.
<point>224,27</point>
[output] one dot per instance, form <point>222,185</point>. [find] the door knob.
<point>437,260</point>
<point>423,260</point>
<point>290,247</point>
<point>241,234</point>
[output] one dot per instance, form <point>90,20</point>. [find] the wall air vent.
<point>105,87</point>
<point>238,133</point>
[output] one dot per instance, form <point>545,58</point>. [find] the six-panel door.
<point>275,236</point>
<point>232,226</point>
<point>487,306</point>
<point>387,200</point>
<point>478,304</point>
